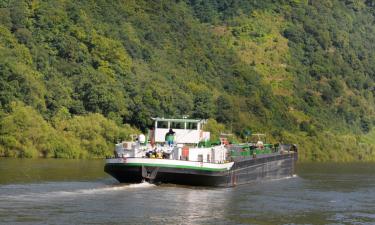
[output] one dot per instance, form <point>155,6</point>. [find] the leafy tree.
<point>224,109</point>
<point>203,105</point>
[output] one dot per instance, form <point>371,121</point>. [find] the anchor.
<point>149,174</point>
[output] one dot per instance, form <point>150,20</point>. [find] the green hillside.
<point>77,76</point>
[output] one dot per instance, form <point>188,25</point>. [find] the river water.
<point>78,192</point>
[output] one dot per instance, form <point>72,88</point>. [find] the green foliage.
<point>224,107</point>
<point>77,72</point>
<point>95,133</point>
<point>24,133</point>
<point>215,129</point>
<point>203,105</point>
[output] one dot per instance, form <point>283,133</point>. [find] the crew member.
<point>169,137</point>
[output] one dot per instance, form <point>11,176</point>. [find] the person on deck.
<point>169,137</point>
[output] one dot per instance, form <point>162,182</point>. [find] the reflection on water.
<point>41,170</point>
<point>78,192</point>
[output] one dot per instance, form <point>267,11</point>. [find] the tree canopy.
<point>76,76</point>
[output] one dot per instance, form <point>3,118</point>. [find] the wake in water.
<point>283,178</point>
<point>47,195</point>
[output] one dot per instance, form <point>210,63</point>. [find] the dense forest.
<point>77,76</point>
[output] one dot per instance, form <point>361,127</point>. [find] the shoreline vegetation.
<point>77,77</point>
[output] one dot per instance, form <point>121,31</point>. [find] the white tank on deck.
<point>142,138</point>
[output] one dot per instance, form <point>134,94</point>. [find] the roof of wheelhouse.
<point>179,120</point>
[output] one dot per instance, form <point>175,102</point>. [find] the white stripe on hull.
<point>170,162</point>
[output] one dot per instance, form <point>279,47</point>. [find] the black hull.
<point>243,171</point>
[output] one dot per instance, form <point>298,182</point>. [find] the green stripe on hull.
<point>173,166</point>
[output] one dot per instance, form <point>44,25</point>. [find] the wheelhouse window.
<point>191,126</point>
<point>178,125</point>
<point>162,124</point>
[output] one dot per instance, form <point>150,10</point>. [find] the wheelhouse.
<point>187,131</point>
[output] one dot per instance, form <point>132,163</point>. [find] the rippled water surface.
<point>78,192</point>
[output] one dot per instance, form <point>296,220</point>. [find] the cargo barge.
<point>178,151</point>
